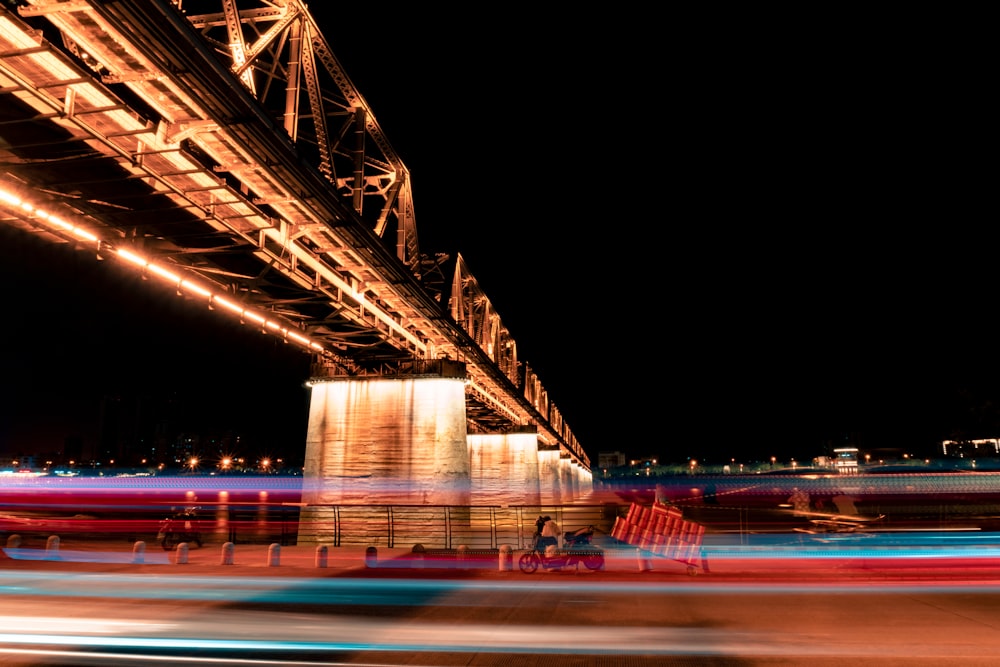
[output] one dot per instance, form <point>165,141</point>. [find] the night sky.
<point>710,238</point>
<point>81,331</point>
<point>713,235</point>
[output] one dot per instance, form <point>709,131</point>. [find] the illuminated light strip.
<point>214,299</point>
<point>15,202</point>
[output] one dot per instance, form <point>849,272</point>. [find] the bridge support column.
<point>566,476</point>
<point>504,468</point>
<point>384,441</point>
<point>550,476</point>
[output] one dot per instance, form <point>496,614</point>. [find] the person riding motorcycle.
<point>547,534</point>
<point>554,550</point>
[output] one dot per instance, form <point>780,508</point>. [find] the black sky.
<point>78,331</point>
<point>712,236</point>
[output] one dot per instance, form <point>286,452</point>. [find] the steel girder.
<point>147,126</point>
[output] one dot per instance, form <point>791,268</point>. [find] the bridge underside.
<point>169,158</point>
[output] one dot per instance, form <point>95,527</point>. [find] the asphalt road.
<point>96,606</point>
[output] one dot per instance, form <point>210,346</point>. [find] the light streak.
<point>411,591</point>
<point>320,635</point>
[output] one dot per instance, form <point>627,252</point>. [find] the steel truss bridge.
<point>219,145</point>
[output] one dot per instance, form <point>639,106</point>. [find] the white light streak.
<point>99,626</point>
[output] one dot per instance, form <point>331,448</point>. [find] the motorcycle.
<point>181,527</point>
<point>577,548</point>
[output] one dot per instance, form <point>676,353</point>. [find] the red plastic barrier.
<point>620,529</point>
<point>661,530</point>
<point>645,514</point>
<point>633,513</point>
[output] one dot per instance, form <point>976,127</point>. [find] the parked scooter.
<point>181,527</point>
<point>577,548</point>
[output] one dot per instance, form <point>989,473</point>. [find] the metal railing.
<point>476,527</point>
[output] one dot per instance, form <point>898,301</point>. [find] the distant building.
<point>970,448</point>
<point>846,460</point>
<point>610,460</point>
<point>25,462</point>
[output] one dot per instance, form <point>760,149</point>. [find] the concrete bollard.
<point>371,557</point>
<point>645,564</point>
<point>506,563</point>
<point>274,555</point>
<point>139,552</point>
<point>419,553</point>
<point>14,542</point>
<point>181,553</point>
<point>52,547</point>
<point>321,552</point>
<point>463,556</point>
<point>228,554</point>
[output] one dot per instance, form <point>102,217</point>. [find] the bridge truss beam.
<point>176,136</point>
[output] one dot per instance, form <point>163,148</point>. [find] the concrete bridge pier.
<point>386,440</point>
<point>402,440</point>
<point>505,468</point>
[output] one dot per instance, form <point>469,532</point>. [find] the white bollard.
<point>14,542</point>
<point>419,552</point>
<point>52,547</point>
<point>506,558</point>
<point>371,557</point>
<point>139,552</point>
<point>181,553</point>
<point>321,551</point>
<point>462,553</point>
<point>274,555</point>
<point>228,551</point>
<point>645,565</point>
